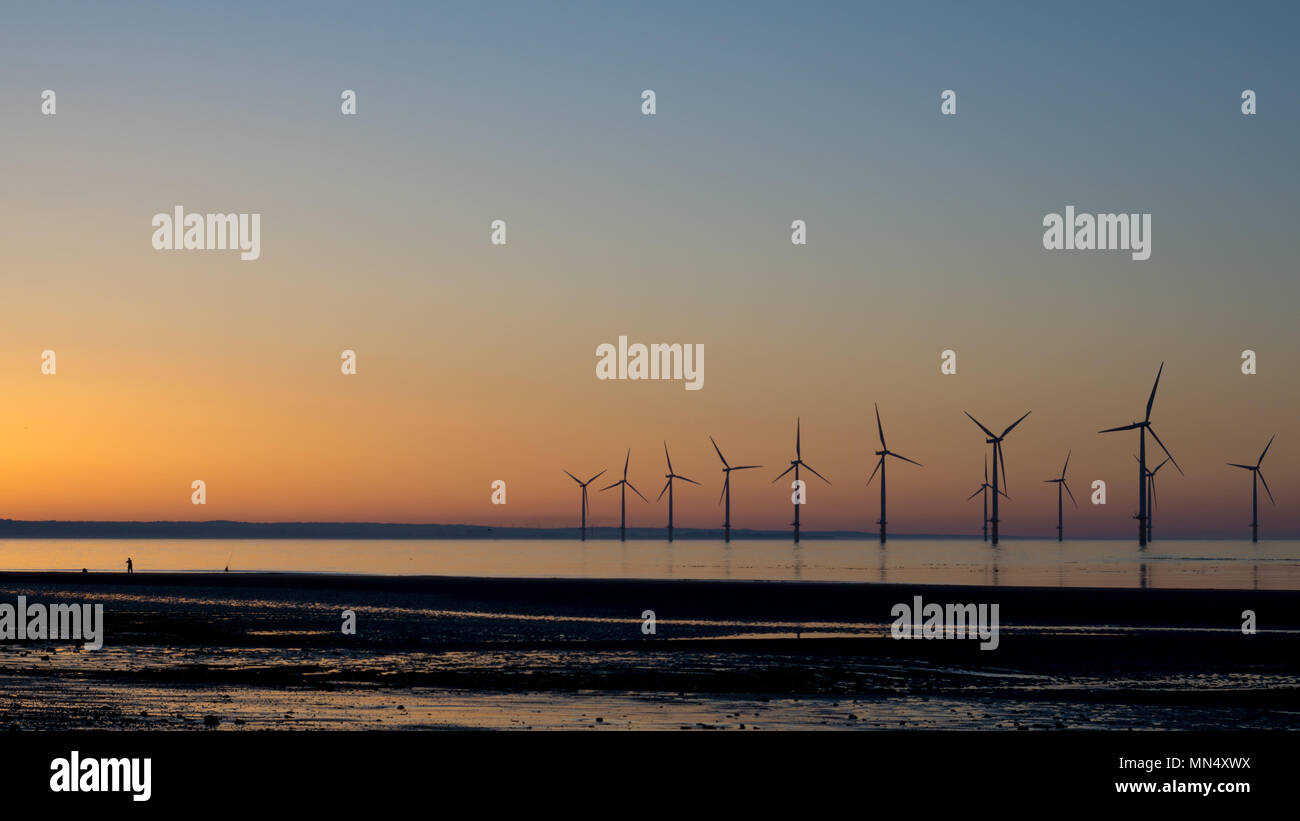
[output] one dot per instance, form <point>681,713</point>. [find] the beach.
<point>250,651</point>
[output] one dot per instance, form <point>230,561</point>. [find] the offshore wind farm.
<point>996,490</point>
<point>992,490</point>
<point>980,556</point>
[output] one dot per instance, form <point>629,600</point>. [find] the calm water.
<point>1086,563</point>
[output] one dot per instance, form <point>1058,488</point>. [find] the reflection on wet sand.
<point>248,651</point>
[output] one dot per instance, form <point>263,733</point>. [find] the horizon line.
<point>149,529</point>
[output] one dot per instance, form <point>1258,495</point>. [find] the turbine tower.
<point>1256,474</point>
<point>669,487</point>
<point>984,489</point>
<point>1060,506</point>
<point>998,458</point>
<point>583,485</point>
<point>1151,494</point>
<point>796,463</point>
<point>1142,428</point>
<point>622,522</point>
<point>880,466</point>
<point>726,488</point>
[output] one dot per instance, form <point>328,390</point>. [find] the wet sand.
<point>254,651</point>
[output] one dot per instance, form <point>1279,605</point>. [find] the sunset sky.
<point>477,362</point>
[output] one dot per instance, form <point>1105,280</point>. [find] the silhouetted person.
<point>129,567</point>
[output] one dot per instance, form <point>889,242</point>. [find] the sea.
<point>1104,563</point>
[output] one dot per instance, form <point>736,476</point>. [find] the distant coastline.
<point>225,529</point>
<point>221,529</point>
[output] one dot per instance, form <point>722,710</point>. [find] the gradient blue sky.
<point>924,234</point>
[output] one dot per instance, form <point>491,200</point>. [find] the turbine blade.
<point>1066,485</point>
<point>1243,467</point>
<point>666,456</point>
<point>797,429</point>
<point>815,473</point>
<point>784,472</point>
<point>684,479</point>
<point>719,450</point>
<point>1133,426</point>
<point>1152,400</point>
<point>574,478</point>
<point>747,467</point>
<point>1017,422</point>
<point>991,434</point>
<point>986,469</point>
<point>881,429</point>
<point>1166,450</point>
<point>665,490</point>
<point>873,473</point>
<point>905,459</point>
<point>973,495</point>
<point>1266,447</point>
<point>1157,468</point>
<point>1260,474</point>
<point>1001,457</point>
<point>616,484</point>
<point>1067,462</point>
<point>637,492</point>
<point>597,476</point>
<point>1151,485</point>
<point>725,483</point>
<point>626,461</point>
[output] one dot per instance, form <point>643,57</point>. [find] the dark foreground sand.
<point>249,651</point>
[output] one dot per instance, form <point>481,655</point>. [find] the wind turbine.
<point>1151,494</point>
<point>1142,428</point>
<point>622,522</point>
<point>998,458</point>
<point>984,488</point>
<point>796,463</point>
<point>583,485</point>
<point>726,487</point>
<point>1060,506</point>
<point>880,466</point>
<point>1254,489</point>
<point>669,487</point>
